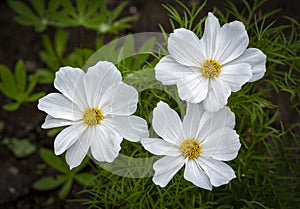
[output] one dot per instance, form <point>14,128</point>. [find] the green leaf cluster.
<point>67,177</point>
<point>268,164</point>
<point>17,87</point>
<point>92,14</point>
<point>21,148</point>
<point>55,56</point>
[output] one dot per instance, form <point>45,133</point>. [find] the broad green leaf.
<point>20,147</point>
<point>47,45</point>
<point>85,179</point>
<point>81,4</point>
<point>35,97</point>
<point>49,183</point>
<point>27,21</point>
<point>8,83</point>
<point>45,76</point>
<point>22,9</point>
<point>39,7</point>
<point>32,83</point>
<point>54,161</point>
<point>61,39</point>
<point>11,106</point>
<point>20,75</point>
<point>50,60</point>
<point>65,190</point>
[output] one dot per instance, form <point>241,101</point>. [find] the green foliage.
<point>66,178</point>
<point>189,18</point>
<point>117,52</point>
<point>54,55</point>
<point>268,164</point>
<point>15,86</point>
<point>92,14</point>
<point>21,148</point>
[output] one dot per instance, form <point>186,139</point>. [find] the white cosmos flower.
<point>211,68</point>
<point>96,106</point>
<point>201,142</point>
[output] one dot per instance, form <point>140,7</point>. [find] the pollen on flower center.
<point>190,148</point>
<point>210,68</point>
<point>92,116</point>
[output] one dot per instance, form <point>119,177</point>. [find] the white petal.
<point>106,145</point>
<point>119,99</point>
<point>165,168</point>
<point>166,123</point>
<point>98,79</point>
<point>194,173</point>
<point>217,95</point>
<point>132,128</point>
<point>223,144</point>
<point>218,172</point>
<point>68,137</point>
<point>76,153</point>
<point>58,106</point>
<point>211,29</point>
<point>193,88</point>
<point>168,71</point>
<point>69,81</point>
<point>236,75</point>
<point>256,59</point>
<point>185,47</point>
<point>199,123</point>
<point>51,122</point>
<point>212,121</point>
<point>232,41</point>
<point>192,119</point>
<point>160,147</point>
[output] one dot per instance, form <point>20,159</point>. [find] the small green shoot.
<point>54,55</point>
<point>65,180</point>
<point>14,86</point>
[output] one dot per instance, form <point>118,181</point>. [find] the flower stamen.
<point>92,116</point>
<point>210,68</point>
<point>190,148</point>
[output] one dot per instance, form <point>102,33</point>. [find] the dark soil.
<point>20,42</point>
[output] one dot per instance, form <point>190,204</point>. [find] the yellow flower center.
<point>190,148</point>
<point>92,116</point>
<point>210,68</point>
